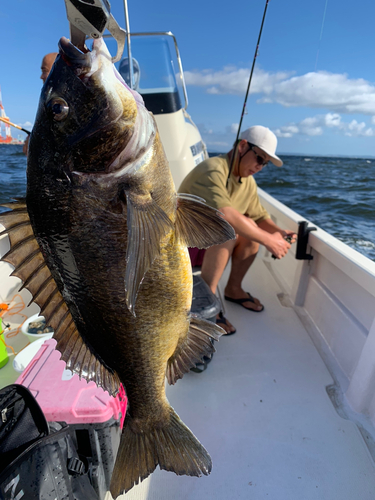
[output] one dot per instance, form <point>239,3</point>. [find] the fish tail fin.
<point>170,445</point>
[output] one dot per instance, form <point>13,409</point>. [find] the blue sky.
<point>314,84</point>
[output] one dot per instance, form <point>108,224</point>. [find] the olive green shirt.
<point>208,180</point>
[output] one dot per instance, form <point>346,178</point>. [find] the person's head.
<point>257,146</point>
<point>47,64</point>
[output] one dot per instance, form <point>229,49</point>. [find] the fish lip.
<point>85,64</point>
<point>66,46</point>
<point>81,62</point>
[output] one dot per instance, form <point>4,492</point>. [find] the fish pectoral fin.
<point>190,351</point>
<point>148,224</point>
<point>30,267</point>
<point>170,444</point>
<point>199,225</point>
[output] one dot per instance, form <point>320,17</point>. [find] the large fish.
<point>102,246</point>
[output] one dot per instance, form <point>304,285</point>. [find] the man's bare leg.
<point>243,256</point>
<point>215,261</point>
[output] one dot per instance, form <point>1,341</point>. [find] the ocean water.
<point>336,194</point>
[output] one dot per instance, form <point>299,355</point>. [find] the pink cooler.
<point>63,396</point>
<point>95,417</point>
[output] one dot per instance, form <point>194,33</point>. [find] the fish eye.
<point>59,108</point>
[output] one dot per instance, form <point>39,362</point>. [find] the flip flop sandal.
<point>223,321</point>
<point>242,301</point>
<point>202,366</point>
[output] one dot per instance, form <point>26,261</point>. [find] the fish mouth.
<point>80,62</point>
<point>85,63</point>
<point>119,103</point>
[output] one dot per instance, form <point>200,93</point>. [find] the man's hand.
<point>26,145</point>
<point>290,234</point>
<point>277,245</point>
<point>265,233</point>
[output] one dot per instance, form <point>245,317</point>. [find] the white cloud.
<point>26,125</point>
<point>355,129</point>
<point>234,128</point>
<point>332,120</point>
<point>287,130</point>
<point>232,80</point>
<point>336,92</point>
<point>312,126</point>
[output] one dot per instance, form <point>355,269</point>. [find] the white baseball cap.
<point>264,139</point>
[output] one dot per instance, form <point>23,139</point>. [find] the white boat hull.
<point>269,407</point>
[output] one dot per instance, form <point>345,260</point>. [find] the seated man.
<point>237,198</point>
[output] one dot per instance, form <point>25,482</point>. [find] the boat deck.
<point>262,411</point>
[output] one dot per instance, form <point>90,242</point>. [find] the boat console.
<point>156,74</point>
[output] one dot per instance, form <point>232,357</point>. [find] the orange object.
<point>3,307</point>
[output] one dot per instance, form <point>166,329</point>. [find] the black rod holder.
<point>302,241</point>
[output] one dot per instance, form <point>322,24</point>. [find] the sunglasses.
<point>260,161</point>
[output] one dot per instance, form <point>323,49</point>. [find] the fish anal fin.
<point>148,224</point>
<point>199,225</point>
<point>172,446</point>
<point>191,349</point>
<point>18,205</point>
<point>30,267</point>
<point>80,359</point>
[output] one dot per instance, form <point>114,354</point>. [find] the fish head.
<point>87,114</point>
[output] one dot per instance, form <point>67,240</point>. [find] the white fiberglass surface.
<point>262,411</point>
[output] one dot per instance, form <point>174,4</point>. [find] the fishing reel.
<point>289,239</point>
<point>90,18</point>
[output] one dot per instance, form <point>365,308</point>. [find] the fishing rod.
<point>234,155</point>
<point>14,125</point>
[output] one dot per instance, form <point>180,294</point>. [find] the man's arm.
<point>269,226</point>
<point>246,227</point>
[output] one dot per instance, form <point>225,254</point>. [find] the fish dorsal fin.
<point>191,349</point>
<point>29,265</point>
<point>199,225</point>
<point>148,224</point>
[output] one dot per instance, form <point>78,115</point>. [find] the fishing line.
<point>247,93</point>
<point>321,34</point>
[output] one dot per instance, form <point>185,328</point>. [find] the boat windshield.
<point>157,72</point>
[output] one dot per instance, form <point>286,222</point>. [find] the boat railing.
<point>334,296</point>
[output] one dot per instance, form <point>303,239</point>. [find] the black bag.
<point>22,422</point>
<point>37,461</point>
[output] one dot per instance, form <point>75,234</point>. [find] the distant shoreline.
<point>306,155</point>
<point>303,155</point>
